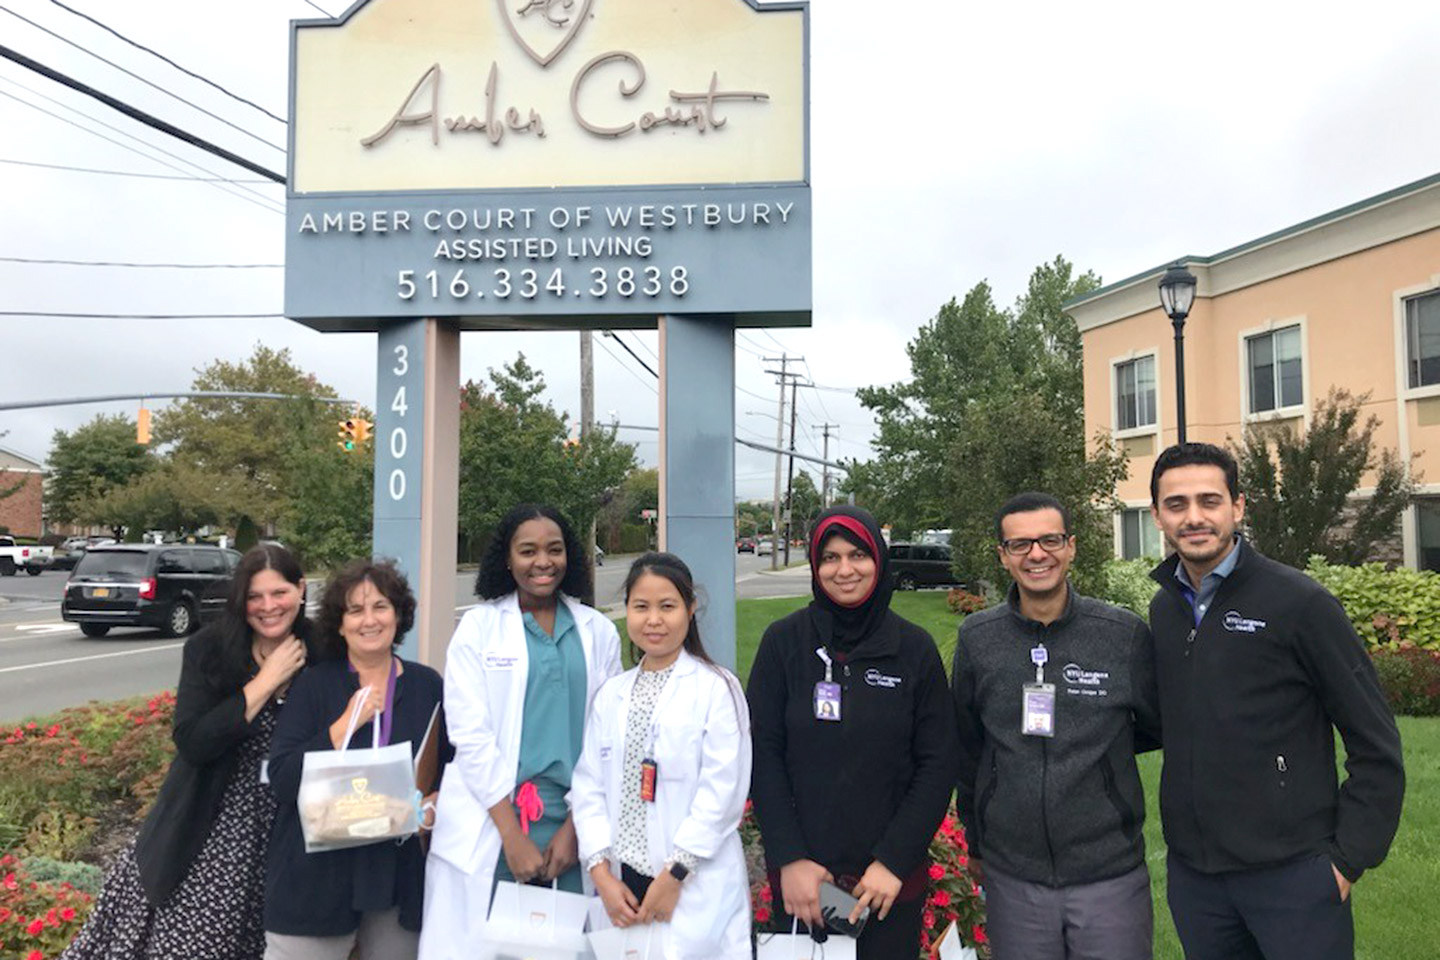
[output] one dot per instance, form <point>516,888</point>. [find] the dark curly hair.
<point>387,579</point>
<point>495,580</point>
<point>494,577</point>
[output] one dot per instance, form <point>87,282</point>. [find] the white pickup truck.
<point>13,558</point>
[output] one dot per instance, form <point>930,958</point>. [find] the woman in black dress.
<point>193,885</point>
<point>855,743</point>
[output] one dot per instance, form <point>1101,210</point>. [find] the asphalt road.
<point>46,664</point>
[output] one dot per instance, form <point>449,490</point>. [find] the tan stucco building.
<point>1349,299</point>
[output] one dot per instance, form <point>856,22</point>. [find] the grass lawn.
<point>1396,916</point>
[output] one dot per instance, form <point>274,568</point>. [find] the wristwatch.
<point>678,870</point>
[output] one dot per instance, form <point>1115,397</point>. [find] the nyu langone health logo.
<point>1078,676</point>
<point>877,679</point>
<point>1238,624</point>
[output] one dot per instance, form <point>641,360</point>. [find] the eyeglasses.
<point>1050,543</point>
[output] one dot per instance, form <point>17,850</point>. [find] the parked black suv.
<point>915,565</point>
<point>172,586</point>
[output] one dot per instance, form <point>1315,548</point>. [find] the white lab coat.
<point>702,751</point>
<point>486,669</point>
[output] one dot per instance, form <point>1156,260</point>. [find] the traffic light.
<point>142,426</point>
<point>362,431</point>
<point>347,436</point>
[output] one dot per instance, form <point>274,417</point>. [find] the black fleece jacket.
<point>875,784</point>
<point>1248,700</point>
<point>1069,809</point>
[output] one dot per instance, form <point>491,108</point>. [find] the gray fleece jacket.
<point>1068,809</point>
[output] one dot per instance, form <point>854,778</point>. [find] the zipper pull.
<point>1190,643</point>
<point>1280,764</point>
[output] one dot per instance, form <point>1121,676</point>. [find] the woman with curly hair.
<point>520,674</point>
<point>366,899</point>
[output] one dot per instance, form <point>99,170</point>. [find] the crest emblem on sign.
<point>543,28</point>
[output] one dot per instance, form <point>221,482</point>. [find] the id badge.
<point>1037,714</point>
<point>827,700</point>
<point>648,772</point>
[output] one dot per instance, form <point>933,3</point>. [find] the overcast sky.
<point>951,143</point>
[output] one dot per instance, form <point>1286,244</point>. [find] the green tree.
<point>515,448</point>
<point>97,457</point>
<point>640,490</point>
<point>1299,486</point>
<point>175,497</point>
<point>804,504</point>
<point>995,406</point>
<point>253,442</point>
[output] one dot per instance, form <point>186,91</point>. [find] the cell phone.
<point>836,906</point>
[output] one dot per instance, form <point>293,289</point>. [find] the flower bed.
<point>951,896</point>
<point>37,920</point>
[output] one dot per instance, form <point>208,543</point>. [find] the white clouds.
<point>951,143</point>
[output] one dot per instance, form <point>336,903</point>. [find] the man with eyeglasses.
<point>1054,690</point>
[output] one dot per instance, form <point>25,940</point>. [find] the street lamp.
<point>1177,294</point>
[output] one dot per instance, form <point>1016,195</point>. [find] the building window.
<point>1273,360</point>
<point>1135,394</point>
<point>1429,516</point>
<point>1422,339</point>
<point>1138,536</point>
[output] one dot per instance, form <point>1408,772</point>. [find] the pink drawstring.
<point>529,805</point>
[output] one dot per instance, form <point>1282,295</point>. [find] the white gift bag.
<point>951,948</point>
<point>643,942</point>
<point>351,798</point>
<point>799,946</point>
<point>535,923</point>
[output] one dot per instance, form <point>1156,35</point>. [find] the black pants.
<point>897,937</point>
<point>1289,912</point>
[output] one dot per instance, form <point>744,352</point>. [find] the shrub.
<point>1410,678</point>
<point>1128,584</point>
<point>962,602</point>
<point>84,877</point>
<point>37,920</point>
<point>1387,607</point>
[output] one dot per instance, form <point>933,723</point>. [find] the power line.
<point>616,337</point>
<point>170,266</point>
<point>248,195</point>
<point>169,93</point>
<point>626,367</point>
<point>244,193</point>
<point>155,53</point>
<point>320,8</point>
<point>129,173</point>
<point>137,114</point>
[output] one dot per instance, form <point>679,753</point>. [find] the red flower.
<point>766,895</point>
<point>937,872</point>
<point>927,919</point>
<point>9,883</point>
<point>35,928</point>
<point>762,914</point>
<point>977,933</point>
<point>67,914</point>
<point>35,955</point>
<point>941,899</point>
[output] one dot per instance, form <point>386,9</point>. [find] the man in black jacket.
<point>1051,689</point>
<point>1257,666</point>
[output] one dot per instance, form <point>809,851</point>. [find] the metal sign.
<point>556,163</point>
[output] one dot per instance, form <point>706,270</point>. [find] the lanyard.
<point>1039,656</point>
<point>824,655</point>
<point>387,716</point>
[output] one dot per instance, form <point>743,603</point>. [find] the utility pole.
<point>790,480</point>
<point>825,482</point>
<point>587,424</point>
<point>782,373</point>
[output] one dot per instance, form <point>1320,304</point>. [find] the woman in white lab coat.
<point>521,672</point>
<point>661,784</point>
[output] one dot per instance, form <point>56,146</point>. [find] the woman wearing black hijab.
<point>855,742</point>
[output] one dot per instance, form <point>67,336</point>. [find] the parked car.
<point>745,545</point>
<point>599,555</point>
<point>915,565</point>
<point>70,552</point>
<point>15,557</point>
<point>174,587</point>
<point>764,547</point>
